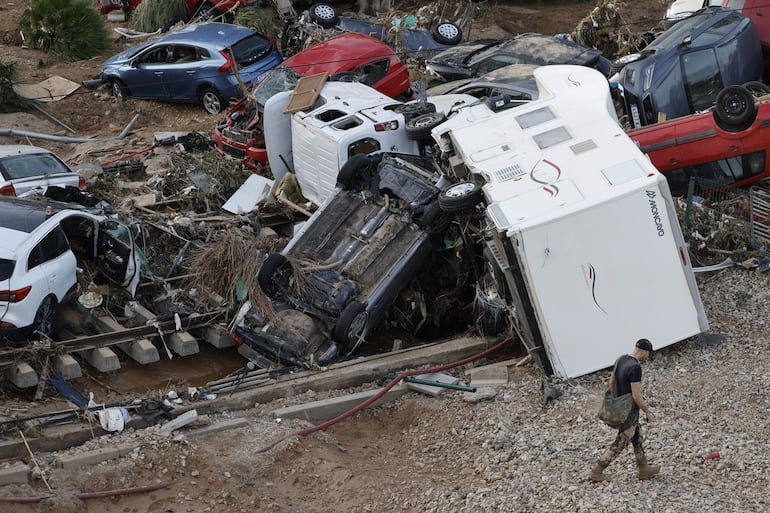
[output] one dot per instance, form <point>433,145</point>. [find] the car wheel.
<point>356,172</point>
<point>735,109</point>
<point>43,323</point>
<point>211,100</point>
<point>447,33</point>
<point>757,88</point>
<point>266,277</point>
<point>352,326</point>
<point>434,220</point>
<point>460,196</point>
<point>413,110</point>
<point>118,88</point>
<point>419,128</point>
<point>324,15</point>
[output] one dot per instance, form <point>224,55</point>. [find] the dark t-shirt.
<point>629,371</point>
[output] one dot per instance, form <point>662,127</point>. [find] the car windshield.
<point>6,268</point>
<point>27,166</point>
<point>483,54</point>
<point>250,49</point>
<point>277,81</point>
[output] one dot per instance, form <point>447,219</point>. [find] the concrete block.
<point>102,359</point>
<point>139,314</point>
<point>67,366</point>
<point>181,421</point>
<point>329,408</point>
<point>488,376</point>
<point>15,473</point>
<point>107,324</point>
<point>218,427</point>
<point>21,375</point>
<point>70,461</point>
<point>430,389</point>
<point>217,337</point>
<point>142,351</point>
<point>182,343</point>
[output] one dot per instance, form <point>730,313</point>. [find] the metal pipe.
<point>57,138</point>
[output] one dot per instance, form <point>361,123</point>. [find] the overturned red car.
<point>347,57</point>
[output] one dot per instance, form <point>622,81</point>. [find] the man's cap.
<point>644,344</point>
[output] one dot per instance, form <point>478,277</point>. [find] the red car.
<point>350,56</point>
<point>194,7</point>
<point>720,148</point>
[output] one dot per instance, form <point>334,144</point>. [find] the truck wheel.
<point>324,15</point>
<point>735,109</point>
<point>266,277</point>
<point>447,33</point>
<point>211,100</point>
<point>460,196</point>
<point>419,128</point>
<point>355,173</point>
<point>352,326</point>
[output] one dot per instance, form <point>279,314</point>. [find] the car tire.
<point>757,88</point>
<point>117,88</point>
<point>460,196</point>
<point>352,326</point>
<point>447,33</point>
<point>324,15</point>
<point>735,108</point>
<point>434,220</point>
<point>419,128</point>
<point>413,110</point>
<point>43,323</point>
<point>355,173</point>
<point>266,274</point>
<point>211,100</point>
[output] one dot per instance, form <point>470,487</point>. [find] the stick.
<point>34,460</point>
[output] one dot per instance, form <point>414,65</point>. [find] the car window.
<point>498,61</point>
<point>26,166</point>
<point>250,49</point>
<point>182,54</point>
<point>6,268</point>
<point>716,173</point>
<point>277,81</point>
<point>375,71</point>
<point>117,231</point>
<point>484,54</point>
<point>159,54</point>
<point>53,245</point>
<point>703,79</point>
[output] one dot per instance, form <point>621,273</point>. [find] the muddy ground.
<point>356,469</point>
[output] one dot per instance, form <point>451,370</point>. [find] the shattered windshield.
<point>280,80</point>
<point>483,54</point>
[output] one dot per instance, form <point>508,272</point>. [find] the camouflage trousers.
<point>629,433</point>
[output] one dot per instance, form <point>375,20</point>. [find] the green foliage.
<point>9,100</point>
<point>152,15</point>
<point>257,19</point>
<point>70,29</point>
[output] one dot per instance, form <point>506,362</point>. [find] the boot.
<point>597,475</point>
<point>645,471</point>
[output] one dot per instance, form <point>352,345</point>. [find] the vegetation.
<point>257,19</point>
<point>70,29</point>
<point>153,15</point>
<point>9,100</point>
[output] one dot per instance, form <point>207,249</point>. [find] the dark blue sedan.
<point>199,63</point>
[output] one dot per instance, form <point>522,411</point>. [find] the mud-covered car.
<point>338,276</point>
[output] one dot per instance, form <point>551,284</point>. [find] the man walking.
<point>628,379</point>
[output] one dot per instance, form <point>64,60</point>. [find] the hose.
<point>378,395</point>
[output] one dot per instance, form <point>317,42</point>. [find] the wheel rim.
<point>459,190</point>
<point>734,105</point>
<point>324,12</point>
<point>44,318</point>
<point>423,121</point>
<point>447,30</point>
<point>116,90</point>
<point>357,328</point>
<point>211,103</point>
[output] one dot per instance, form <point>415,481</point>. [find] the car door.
<point>116,256</point>
<point>51,262</point>
<point>146,77</point>
<point>183,72</point>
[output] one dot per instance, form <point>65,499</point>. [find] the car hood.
<point>126,55</point>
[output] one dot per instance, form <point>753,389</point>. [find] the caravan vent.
<point>509,173</point>
<point>583,147</point>
<point>552,137</point>
<point>497,251</point>
<point>535,117</point>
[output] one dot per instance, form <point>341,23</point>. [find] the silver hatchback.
<point>28,170</point>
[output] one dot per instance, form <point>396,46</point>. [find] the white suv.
<point>28,170</point>
<point>41,244</point>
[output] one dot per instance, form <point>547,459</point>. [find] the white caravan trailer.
<point>581,228</point>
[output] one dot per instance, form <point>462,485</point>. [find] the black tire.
<point>43,323</point>
<point>460,196</point>
<point>735,109</point>
<point>118,89</point>
<point>434,220</point>
<point>266,274</point>
<point>757,88</point>
<point>447,33</point>
<point>418,129</point>
<point>324,15</point>
<point>211,100</point>
<point>355,172</point>
<point>352,326</point>
<point>412,110</point>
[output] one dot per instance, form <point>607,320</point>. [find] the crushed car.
<point>336,278</point>
<point>517,81</point>
<point>206,63</point>
<point>28,170</point>
<point>43,244</point>
<point>346,57</point>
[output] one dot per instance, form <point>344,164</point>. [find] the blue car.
<point>199,63</point>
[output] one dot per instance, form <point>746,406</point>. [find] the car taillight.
<point>386,126</point>
<point>7,190</point>
<point>237,340</point>
<point>14,296</point>
<point>82,183</point>
<point>227,66</point>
